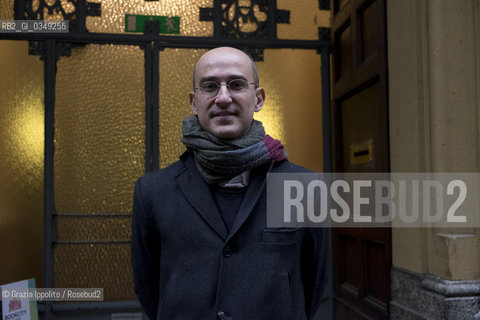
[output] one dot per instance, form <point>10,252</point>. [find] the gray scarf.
<point>222,159</point>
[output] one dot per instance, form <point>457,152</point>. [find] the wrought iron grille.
<point>75,11</point>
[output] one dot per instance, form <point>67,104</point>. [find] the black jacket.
<point>187,267</point>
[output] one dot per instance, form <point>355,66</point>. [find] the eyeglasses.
<point>234,86</point>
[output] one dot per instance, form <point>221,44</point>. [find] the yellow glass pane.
<point>21,162</point>
<point>99,128</point>
<point>113,15</point>
<point>6,9</point>
<point>293,104</point>
<point>176,69</point>
<point>93,228</point>
<point>104,266</point>
<point>305,18</point>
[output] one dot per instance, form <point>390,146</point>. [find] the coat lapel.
<point>198,194</point>
<point>254,190</point>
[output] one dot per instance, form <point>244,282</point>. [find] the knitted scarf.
<point>221,159</point>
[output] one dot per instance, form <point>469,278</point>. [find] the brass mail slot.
<point>361,153</point>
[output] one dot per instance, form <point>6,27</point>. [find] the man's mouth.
<point>224,114</point>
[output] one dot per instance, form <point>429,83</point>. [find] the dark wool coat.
<point>188,267</point>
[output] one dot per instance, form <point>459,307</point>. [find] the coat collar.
<point>198,194</point>
<point>253,193</point>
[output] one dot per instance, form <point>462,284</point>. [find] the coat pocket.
<point>276,299</point>
<point>189,294</point>
<point>281,235</point>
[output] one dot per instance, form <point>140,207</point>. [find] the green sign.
<point>136,23</point>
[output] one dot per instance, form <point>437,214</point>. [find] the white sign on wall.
<point>17,307</point>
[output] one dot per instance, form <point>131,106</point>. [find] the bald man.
<point>201,248</point>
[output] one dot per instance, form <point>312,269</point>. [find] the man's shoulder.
<point>166,174</point>
<point>287,166</point>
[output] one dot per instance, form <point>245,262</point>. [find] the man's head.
<point>229,113</point>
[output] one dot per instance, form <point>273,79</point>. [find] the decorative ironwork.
<point>255,53</point>
<point>75,11</point>
<point>206,14</point>
<point>282,16</point>
<point>245,19</point>
<point>324,33</point>
<point>62,49</point>
<point>152,27</point>
<point>244,22</point>
<point>324,4</point>
<point>94,9</point>
<point>35,48</point>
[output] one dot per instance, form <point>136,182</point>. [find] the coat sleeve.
<point>145,254</point>
<point>316,270</point>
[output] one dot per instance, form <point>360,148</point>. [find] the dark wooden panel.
<point>369,31</point>
<point>362,266</point>
<point>363,123</point>
<point>341,311</point>
<point>339,4</point>
<point>366,21</point>
<point>369,234</point>
<point>344,312</point>
<point>351,264</point>
<point>376,294</point>
<point>343,52</point>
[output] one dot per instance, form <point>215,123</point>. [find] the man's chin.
<point>226,132</point>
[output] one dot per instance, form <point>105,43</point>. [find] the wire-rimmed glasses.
<point>234,86</point>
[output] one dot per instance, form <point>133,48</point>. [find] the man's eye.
<point>210,86</point>
<point>237,85</point>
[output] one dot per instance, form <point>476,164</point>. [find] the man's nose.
<point>223,96</point>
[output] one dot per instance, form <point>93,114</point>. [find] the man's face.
<point>226,115</point>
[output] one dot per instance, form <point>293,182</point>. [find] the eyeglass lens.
<point>234,86</point>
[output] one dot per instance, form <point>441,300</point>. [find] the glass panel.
<point>99,129</point>
<point>93,228</point>
<point>104,266</point>
<point>6,10</point>
<point>305,18</point>
<point>176,69</point>
<point>292,82</point>
<point>21,162</point>
<point>293,104</point>
<point>113,15</point>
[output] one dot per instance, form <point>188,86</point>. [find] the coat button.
<point>221,315</point>
<point>227,251</point>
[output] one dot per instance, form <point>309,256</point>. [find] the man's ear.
<point>193,104</point>
<point>260,99</point>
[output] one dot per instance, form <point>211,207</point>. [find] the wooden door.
<point>361,256</point>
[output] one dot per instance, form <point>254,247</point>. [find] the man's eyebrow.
<point>213,78</point>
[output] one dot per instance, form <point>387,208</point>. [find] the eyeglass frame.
<point>226,84</point>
